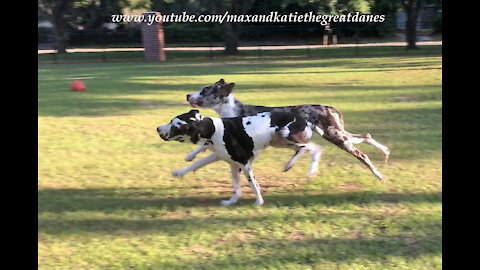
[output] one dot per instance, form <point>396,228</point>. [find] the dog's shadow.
<point>109,200</point>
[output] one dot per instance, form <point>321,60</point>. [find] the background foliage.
<point>85,19</point>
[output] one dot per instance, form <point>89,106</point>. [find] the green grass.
<point>106,197</point>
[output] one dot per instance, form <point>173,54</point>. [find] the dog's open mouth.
<point>165,138</point>
<point>176,138</point>
<point>196,104</point>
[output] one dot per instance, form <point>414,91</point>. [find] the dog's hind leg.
<point>367,138</point>
<point>300,136</point>
<point>252,182</point>
<point>341,139</point>
<point>315,153</point>
<point>237,189</point>
<point>195,166</point>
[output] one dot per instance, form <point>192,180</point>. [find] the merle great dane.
<point>327,120</point>
<point>239,140</point>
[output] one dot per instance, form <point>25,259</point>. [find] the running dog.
<point>327,120</point>
<point>239,140</point>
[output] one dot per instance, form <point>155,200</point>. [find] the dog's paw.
<point>311,174</point>
<point>287,167</point>
<point>384,179</point>
<point>178,173</point>
<point>227,202</point>
<point>189,158</point>
<point>259,202</point>
<point>386,155</point>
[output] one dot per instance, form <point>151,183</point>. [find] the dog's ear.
<point>227,89</point>
<point>206,128</point>
<point>195,115</point>
<point>221,81</point>
<point>184,128</point>
<point>189,128</point>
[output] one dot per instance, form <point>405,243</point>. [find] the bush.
<point>105,37</point>
<point>45,35</point>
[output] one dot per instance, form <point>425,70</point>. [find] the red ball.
<point>78,86</point>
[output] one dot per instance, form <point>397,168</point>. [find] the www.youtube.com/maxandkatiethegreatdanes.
<point>272,17</point>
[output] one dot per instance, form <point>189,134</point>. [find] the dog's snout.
<point>158,129</point>
<point>163,137</point>
<point>188,97</point>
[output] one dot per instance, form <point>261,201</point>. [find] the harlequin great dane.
<point>239,140</point>
<point>328,123</point>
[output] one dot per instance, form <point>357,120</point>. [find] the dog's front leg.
<point>237,190</point>
<point>252,182</point>
<point>195,166</point>
<point>194,153</point>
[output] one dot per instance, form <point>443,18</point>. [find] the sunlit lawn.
<point>106,197</point>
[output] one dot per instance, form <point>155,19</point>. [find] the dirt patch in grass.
<point>349,186</point>
<point>404,99</point>
<point>297,236</point>
<point>199,249</point>
<point>242,236</point>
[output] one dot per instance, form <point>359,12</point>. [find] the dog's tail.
<point>319,130</point>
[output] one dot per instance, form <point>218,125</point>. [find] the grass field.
<point>106,198</point>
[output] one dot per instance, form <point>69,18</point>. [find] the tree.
<point>57,11</point>
<point>323,6</point>
<point>231,29</point>
<point>411,8</point>
<point>71,14</point>
<point>92,14</point>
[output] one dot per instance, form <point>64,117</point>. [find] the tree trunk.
<point>411,32</point>
<point>231,29</point>
<point>412,8</point>
<point>94,20</point>
<point>57,13</point>
<point>231,38</point>
<point>59,31</point>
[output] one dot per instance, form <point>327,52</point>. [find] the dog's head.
<point>182,127</point>
<point>211,95</point>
